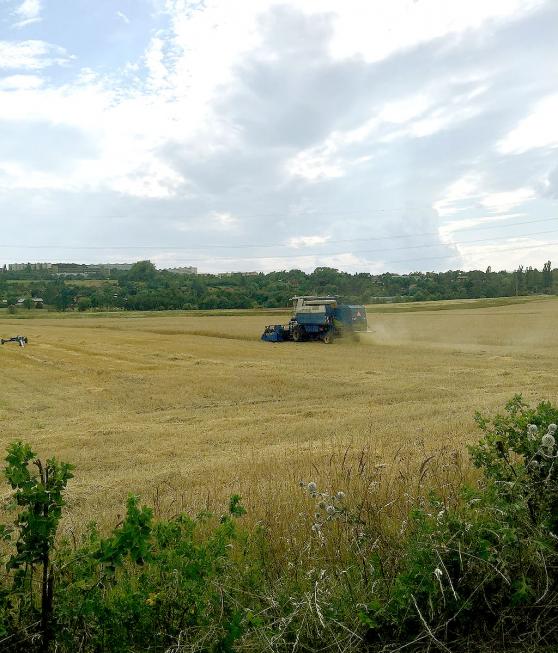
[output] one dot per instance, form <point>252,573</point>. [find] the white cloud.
<point>508,254</point>
<point>415,116</point>
<point>539,129</point>
<point>504,201</point>
<point>394,112</point>
<point>447,229</point>
<point>126,140</point>
<point>316,164</point>
<point>226,219</point>
<point>20,82</point>
<point>31,55</point>
<point>326,161</point>
<point>467,193</point>
<point>344,261</point>
<point>122,16</point>
<point>463,189</point>
<point>28,12</point>
<point>308,241</point>
<point>155,63</point>
<point>16,176</point>
<point>151,180</point>
<point>376,30</point>
<point>428,116</point>
<point>441,119</point>
<point>213,221</point>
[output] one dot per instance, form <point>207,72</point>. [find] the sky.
<point>241,135</point>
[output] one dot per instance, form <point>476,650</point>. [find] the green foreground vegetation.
<point>471,567</point>
<point>143,288</point>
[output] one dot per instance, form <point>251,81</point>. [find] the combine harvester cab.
<point>318,318</point>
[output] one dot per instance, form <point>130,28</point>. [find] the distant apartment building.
<point>120,267</point>
<point>183,270</point>
<point>76,269</point>
<point>19,267</point>
<point>61,269</point>
<point>73,269</point>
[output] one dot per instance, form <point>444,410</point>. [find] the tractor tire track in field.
<point>89,353</point>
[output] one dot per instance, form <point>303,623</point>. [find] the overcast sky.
<point>367,135</point>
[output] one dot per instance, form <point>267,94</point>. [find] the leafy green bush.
<point>149,585</point>
<point>146,586</point>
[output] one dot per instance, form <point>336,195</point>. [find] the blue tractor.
<point>318,318</point>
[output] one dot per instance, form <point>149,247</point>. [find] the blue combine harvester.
<point>318,318</point>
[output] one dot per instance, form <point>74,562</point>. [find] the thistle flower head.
<point>312,487</point>
<point>548,441</point>
<point>532,431</point>
<point>340,496</point>
<point>330,510</point>
<point>551,429</point>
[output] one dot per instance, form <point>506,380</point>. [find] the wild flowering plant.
<point>485,563</point>
<point>328,507</point>
<point>518,456</point>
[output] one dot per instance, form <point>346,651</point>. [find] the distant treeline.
<point>145,288</point>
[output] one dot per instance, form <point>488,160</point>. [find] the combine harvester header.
<point>318,318</point>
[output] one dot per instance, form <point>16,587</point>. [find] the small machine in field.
<point>21,340</point>
<point>318,318</point>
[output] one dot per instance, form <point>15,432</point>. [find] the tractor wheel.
<point>328,337</point>
<point>297,334</point>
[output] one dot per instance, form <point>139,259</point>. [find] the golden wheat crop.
<point>186,409</point>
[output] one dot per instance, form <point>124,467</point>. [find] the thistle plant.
<point>518,454</point>
<point>327,507</point>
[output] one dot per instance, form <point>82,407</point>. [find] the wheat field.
<point>185,409</point>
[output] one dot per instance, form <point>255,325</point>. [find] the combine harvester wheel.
<point>297,334</point>
<point>328,337</point>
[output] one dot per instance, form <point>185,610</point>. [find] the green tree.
<point>547,277</point>
<point>84,304</point>
<point>142,271</point>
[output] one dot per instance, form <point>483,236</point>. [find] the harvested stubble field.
<point>185,409</point>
